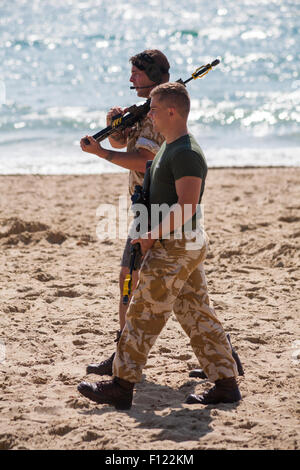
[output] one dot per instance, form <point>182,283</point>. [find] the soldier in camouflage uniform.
<point>172,275</point>
<point>142,142</point>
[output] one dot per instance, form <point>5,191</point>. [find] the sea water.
<point>64,64</point>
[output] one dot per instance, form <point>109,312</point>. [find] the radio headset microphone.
<point>139,87</point>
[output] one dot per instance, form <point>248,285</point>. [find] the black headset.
<point>145,62</point>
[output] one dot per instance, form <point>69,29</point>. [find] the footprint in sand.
<point>61,430</point>
<point>67,293</point>
<point>289,219</point>
<point>56,238</point>
<point>6,441</point>
<point>42,276</point>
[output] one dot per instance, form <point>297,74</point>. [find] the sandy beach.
<point>59,311</point>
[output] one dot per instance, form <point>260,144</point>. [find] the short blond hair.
<point>173,95</point>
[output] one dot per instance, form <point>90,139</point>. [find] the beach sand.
<point>59,311</point>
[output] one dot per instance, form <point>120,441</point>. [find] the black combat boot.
<point>224,391</point>
<point>199,373</point>
<point>117,392</point>
<point>104,367</point>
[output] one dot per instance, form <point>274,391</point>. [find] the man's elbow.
<point>117,145</point>
<point>142,160</point>
<point>188,204</point>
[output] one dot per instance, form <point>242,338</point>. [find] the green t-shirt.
<point>183,157</point>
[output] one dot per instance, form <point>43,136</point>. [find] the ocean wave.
<point>64,64</point>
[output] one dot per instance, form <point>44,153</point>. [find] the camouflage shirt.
<point>142,136</point>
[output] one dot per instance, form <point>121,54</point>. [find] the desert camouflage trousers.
<point>173,278</point>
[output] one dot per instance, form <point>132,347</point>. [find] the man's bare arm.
<point>135,160</point>
<point>188,190</point>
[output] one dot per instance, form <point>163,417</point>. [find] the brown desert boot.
<point>224,391</point>
<point>103,368</point>
<point>116,392</point>
<point>200,374</point>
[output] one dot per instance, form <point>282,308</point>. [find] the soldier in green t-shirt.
<point>172,276</point>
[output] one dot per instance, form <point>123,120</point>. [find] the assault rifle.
<point>140,196</point>
<point>136,112</point>
<point>135,260</point>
